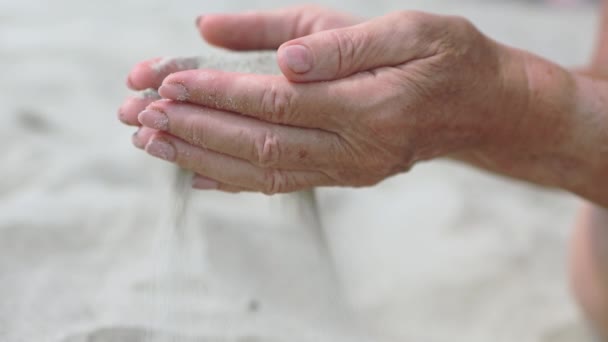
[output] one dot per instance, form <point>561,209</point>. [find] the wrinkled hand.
<point>398,89</point>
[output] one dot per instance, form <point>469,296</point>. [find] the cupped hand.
<point>354,106</point>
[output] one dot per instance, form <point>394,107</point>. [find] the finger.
<point>265,97</point>
<point>200,182</point>
<point>230,170</point>
<point>387,41</point>
<point>261,143</point>
<point>151,73</point>
<point>268,30</point>
<point>133,105</point>
<point>142,136</point>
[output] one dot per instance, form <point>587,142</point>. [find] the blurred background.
<point>444,253</point>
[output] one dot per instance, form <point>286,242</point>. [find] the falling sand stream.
<point>256,300</point>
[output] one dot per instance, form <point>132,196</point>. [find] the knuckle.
<point>189,130</point>
<point>267,150</point>
<point>277,103</point>
<point>421,28</point>
<point>412,20</point>
<point>346,43</point>
<point>275,182</point>
<point>405,15</point>
<point>461,23</point>
<point>415,17</point>
<point>463,32</point>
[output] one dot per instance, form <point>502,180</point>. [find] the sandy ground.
<point>445,253</point>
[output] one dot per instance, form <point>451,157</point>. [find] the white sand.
<point>444,253</point>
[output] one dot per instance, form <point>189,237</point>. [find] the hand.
<point>398,89</point>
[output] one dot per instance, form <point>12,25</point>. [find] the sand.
<point>220,305</point>
<point>445,253</point>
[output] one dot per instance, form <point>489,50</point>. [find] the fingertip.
<point>131,107</point>
<point>173,91</point>
<point>151,73</point>
<point>142,136</point>
<point>127,113</point>
<point>200,25</point>
<point>129,82</point>
<point>120,114</point>
<point>204,183</point>
<point>141,117</point>
<point>136,141</point>
<point>298,58</point>
<point>224,31</point>
<point>312,59</point>
<point>142,76</point>
<point>239,32</point>
<point>296,62</point>
<point>210,29</point>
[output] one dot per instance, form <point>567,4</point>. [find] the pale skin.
<point>359,101</point>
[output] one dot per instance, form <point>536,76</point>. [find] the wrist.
<point>555,131</point>
<point>512,116</point>
<point>547,122</point>
<point>589,138</point>
<point>534,108</point>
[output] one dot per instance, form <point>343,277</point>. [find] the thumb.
<point>386,41</point>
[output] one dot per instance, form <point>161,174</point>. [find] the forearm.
<point>599,64</point>
<point>555,132</point>
<point>589,252</point>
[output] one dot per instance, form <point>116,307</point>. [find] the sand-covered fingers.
<point>151,73</point>
<point>232,171</point>
<point>133,105</point>
<point>261,143</point>
<point>141,137</point>
<point>259,30</point>
<point>266,97</point>
<point>405,91</point>
<point>148,76</point>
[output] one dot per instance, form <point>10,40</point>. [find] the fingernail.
<point>298,58</point>
<point>162,149</point>
<point>198,20</point>
<point>154,119</point>
<point>174,92</point>
<point>204,183</point>
<point>136,141</point>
